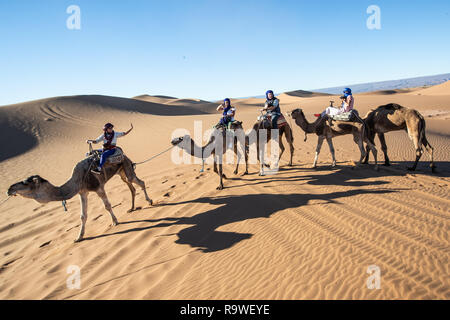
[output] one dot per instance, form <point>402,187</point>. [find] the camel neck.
<point>303,123</point>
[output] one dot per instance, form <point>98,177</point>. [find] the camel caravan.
<point>92,173</point>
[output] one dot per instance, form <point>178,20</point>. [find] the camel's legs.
<point>372,137</point>
<point>289,138</point>
<point>261,159</point>
<point>84,208</point>
<point>260,153</point>
<point>418,148</point>
<point>220,187</point>
<point>291,147</point>
<point>102,194</point>
<point>132,178</point>
<point>333,156</point>
<point>359,141</point>
<point>141,183</point>
<point>280,143</point>
<point>203,166</point>
<point>245,153</point>
<point>319,146</point>
<point>430,152</point>
<point>372,148</point>
<point>245,158</point>
<point>384,148</point>
<point>131,187</point>
<point>214,163</point>
<point>238,155</point>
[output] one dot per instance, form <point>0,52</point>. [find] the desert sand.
<point>301,234</point>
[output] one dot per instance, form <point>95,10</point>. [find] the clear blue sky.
<point>214,49</point>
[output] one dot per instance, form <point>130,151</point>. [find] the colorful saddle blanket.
<point>345,116</point>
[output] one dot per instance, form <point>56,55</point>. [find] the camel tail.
<point>422,126</point>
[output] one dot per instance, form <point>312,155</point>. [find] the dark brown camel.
<point>394,117</point>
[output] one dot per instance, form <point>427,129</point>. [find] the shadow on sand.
<point>202,232</point>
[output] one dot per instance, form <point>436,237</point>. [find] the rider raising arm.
<point>109,139</point>
<point>118,135</point>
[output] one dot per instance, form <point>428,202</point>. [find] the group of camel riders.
<point>271,107</point>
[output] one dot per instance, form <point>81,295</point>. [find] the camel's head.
<point>177,141</point>
<point>295,113</point>
<point>27,188</point>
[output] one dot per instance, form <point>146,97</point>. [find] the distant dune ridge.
<point>300,234</point>
<point>390,85</point>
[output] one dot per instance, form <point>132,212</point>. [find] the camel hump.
<point>392,106</point>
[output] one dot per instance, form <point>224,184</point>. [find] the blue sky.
<point>214,49</point>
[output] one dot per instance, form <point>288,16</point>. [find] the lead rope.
<point>9,197</point>
<point>155,156</point>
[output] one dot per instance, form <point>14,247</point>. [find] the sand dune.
<point>391,92</point>
<point>301,234</point>
<point>441,89</point>
<point>305,94</point>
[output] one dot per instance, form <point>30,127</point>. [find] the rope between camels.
<point>155,156</point>
<point>9,197</point>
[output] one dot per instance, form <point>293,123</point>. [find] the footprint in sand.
<point>45,244</point>
<point>97,217</point>
<point>10,262</point>
<point>164,181</point>
<point>167,194</point>
<point>171,187</point>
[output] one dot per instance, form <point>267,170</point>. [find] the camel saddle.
<point>281,120</point>
<point>228,126</point>
<point>350,116</point>
<point>117,157</point>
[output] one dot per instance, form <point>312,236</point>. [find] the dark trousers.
<point>105,155</point>
<point>275,121</point>
<point>225,120</point>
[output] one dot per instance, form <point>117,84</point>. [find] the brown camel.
<point>393,117</point>
<point>82,182</point>
<point>322,128</point>
<point>215,148</point>
<point>264,123</point>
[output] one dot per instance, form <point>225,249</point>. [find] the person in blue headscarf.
<point>228,112</point>
<point>347,104</point>
<point>272,106</point>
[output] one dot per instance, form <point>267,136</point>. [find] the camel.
<point>264,123</point>
<point>322,128</point>
<point>393,117</point>
<point>82,182</point>
<point>187,144</point>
